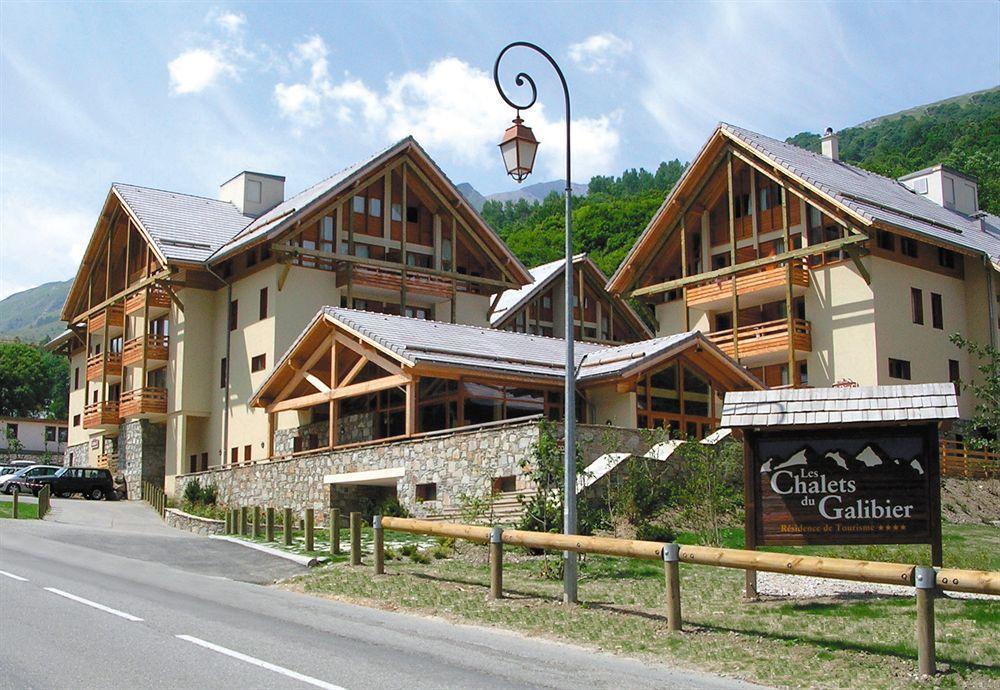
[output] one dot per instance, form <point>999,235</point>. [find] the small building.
<point>29,438</point>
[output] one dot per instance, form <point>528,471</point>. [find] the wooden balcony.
<point>389,282</point>
<point>159,302</point>
<point>148,401</point>
<point>765,343</point>
<point>157,351</point>
<point>115,320</point>
<point>96,367</point>
<point>101,415</point>
<point>753,289</point>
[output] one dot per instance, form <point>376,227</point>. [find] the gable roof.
<point>859,405</point>
<point>416,342</point>
<point>869,197</point>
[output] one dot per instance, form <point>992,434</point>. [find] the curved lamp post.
<point>518,149</point>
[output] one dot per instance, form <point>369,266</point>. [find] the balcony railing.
<point>148,400</point>
<point>101,415</point>
<point>157,350</point>
<point>753,288</point>
<point>761,340</point>
<point>97,368</point>
<point>392,281</point>
<point>159,301</point>
<point>115,319</point>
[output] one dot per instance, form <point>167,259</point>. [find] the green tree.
<point>984,430</point>
<point>32,381</point>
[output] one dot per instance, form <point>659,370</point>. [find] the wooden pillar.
<point>348,208</point>
<point>732,255</point>
<point>411,407</point>
<point>269,523</point>
<point>925,579</point>
<point>579,296</point>
<point>145,331</point>
<point>684,273</point>
<point>402,249</point>
<point>788,290</point>
<point>355,538</point>
<point>454,268</point>
<point>270,434</point>
<point>496,563</point>
<point>334,410</point>
<point>672,574</point>
<point>334,527</point>
<point>387,205</point>
<point>309,531</point>
<point>104,362</point>
<point>379,545</point>
<point>287,527</point>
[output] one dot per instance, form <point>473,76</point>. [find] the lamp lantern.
<point>518,149</point>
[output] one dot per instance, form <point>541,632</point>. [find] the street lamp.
<point>518,149</point>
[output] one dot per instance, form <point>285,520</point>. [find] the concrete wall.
<point>841,308</point>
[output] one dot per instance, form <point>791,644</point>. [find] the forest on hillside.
<point>607,221</point>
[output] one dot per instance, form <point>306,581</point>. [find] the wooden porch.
<point>157,349</point>
<point>103,365</point>
<point>765,343</point>
<point>112,318</point>
<point>148,401</point>
<point>752,289</point>
<point>101,415</point>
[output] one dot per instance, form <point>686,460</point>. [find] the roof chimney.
<point>253,193</point>
<point>831,145</point>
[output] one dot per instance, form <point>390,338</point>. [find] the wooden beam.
<point>298,403</point>
<point>732,255</point>
<point>789,268</point>
<point>123,294</point>
<point>373,386</point>
<point>355,370</point>
<point>301,371</point>
<point>402,245</point>
<point>316,382</point>
<point>855,253</point>
<point>371,353</point>
<point>411,407</point>
<point>172,295</point>
<point>334,410</point>
<point>750,265</point>
<point>283,276</point>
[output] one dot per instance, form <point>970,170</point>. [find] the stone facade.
<point>354,428</point>
<point>77,456</point>
<point>461,463</point>
<point>142,454</point>
<point>193,523</point>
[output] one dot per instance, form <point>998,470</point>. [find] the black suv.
<point>92,482</point>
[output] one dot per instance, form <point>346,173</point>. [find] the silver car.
<point>9,483</point>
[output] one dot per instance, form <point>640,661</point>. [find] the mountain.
<point>532,193</point>
<point>33,315</point>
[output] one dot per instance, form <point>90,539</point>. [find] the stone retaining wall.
<point>193,523</point>
<point>462,464</point>
<point>37,457</point>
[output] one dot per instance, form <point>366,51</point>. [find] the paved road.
<point>110,598</point>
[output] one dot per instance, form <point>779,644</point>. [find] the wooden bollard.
<point>355,538</point>
<point>379,545</point>
<point>925,582</point>
<point>496,563</point>
<point>243,520</point>
<point>256,522</point>
<point>672,573</point>
<point>286,532</point>
<point>334,531</point>
<point>16,511</point>
<point>269,523</point>
<point>310,520</point>
<point>229,521</point>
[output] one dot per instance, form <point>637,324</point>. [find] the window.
<point>223,372</point>
<point>803,374</point>
<point>908,246</point>
<point>50,434</point>
<point>953,374</point>
<point>505,484</point>
<point>418,313</point>
<point>427,492</point>
<point>204,461</point>
<point>76,420</point>
<point>719,261</point>
<point>11,430</point>
<point>358,205</point>
<point>247,453</point>
<point>76,379</point>
<point>412,214</point>
<point>251,258</point>
<point>193,464</point>
<point>899,369</point>
<point>946,258</point>
<point>234,312</point>
<point>258,363</point>
<point>886,241</point>
<point>253,191</point>
<point>227,269</point>
<point>63,434</point>
<point>937,313</point>
<point>234,456</point>
<point>262,305</point>
<point>917,305</point>
<point>265,254</point>
<point>920,186</point>
<point>397,212</point>
<point>375,208</point>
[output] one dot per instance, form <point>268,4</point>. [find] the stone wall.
<point>38,457</point>
<point>354,428</point>
<point>461,463</point>
<point>142,454</point>
<point>193,523</point>
<point>80,455</point>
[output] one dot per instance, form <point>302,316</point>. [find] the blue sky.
<point>182,96</point>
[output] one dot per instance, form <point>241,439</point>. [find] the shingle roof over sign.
<point>872,196</point>
<point>183,227</point>
<point>862,405</point>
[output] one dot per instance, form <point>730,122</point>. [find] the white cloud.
<point>451,107</point>
<point>599,52</point>
<point>195,70</point>
<point>232,22</point>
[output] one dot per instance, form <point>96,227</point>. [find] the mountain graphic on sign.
<point>870,456</point>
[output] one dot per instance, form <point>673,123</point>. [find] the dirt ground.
<point>970,501</point>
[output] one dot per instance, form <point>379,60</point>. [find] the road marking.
<point>258,662</point>
<point>94,604</point>
<point>12,576</point>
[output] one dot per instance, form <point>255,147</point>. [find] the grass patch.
<point>25,511</point>
<point>802,643</point>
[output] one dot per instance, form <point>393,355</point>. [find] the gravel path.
<point>801,587</point>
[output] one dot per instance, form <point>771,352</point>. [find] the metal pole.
<point>569,404</point>
<point>671,570</point>
<point>924,580</point>
<point>379,545</point>
<point>496,563</point>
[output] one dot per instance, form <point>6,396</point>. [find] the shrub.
<point>192,492</point>
<point>440,551</point>
<point>408,549</point>
<point>209,495</point>
<point>710,492</point>
<point>390,507</point>
<point>654,532</point>
<point>420,557</point>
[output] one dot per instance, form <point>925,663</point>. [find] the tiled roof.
<point>510,300</point>
<point>863,405</point>
<point>873,196</point>
<point>182,226</point>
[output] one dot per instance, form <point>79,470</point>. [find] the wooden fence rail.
<point>923,579</point>
<point>958,460</point>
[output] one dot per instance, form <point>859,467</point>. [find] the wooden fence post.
<point>269,523</point>
<point>310,524</point>
<point>256,522</point>
<point>496,563</point>
<point>672,572</point>
<point>286,531</point>
<point>15,509</point>
<point>229,521</point>
<point>334,531</point>
<point>234,517</point>
<point>244,511</point>
<point>379,545</point>
<point>925,582</point>
<point>355,538</point>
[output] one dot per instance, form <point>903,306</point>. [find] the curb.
<point>308,561</point>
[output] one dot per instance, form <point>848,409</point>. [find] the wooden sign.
<point>843,486</point>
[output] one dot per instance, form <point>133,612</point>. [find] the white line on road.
<point>94,604</point>
<point>258,662</point>
<point>12,576</point>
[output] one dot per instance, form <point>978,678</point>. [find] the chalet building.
<point>539,307</point>
<point>813,272</point>
<point>31,438</point>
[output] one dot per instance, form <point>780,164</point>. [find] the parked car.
<point>93,483</point>
<point>8,469</point>
<point>16,481</point>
